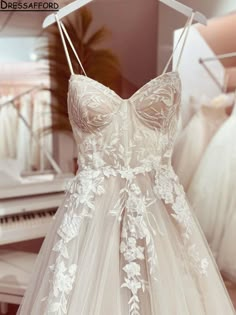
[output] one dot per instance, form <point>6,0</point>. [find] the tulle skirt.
<point>125,244</point>
<point>212,196</point>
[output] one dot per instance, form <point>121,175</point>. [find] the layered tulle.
<point>188,153</point>
<point>213,197</point>
<point>86,276</point>
<point>125,242</point>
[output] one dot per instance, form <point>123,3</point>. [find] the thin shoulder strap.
<point>62,29</point>
<point>185,30</point>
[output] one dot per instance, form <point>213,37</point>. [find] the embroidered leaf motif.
<point>126,143</point>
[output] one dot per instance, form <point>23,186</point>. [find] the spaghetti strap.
<point>185,30</point>
<point>62,30</point>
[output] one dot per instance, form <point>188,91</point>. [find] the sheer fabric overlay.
<point>125,241</point>
<point>188,153</point>
<point>217,215</point>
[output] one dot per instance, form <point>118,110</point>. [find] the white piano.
<point>27,206</point>
<point>26,212</point>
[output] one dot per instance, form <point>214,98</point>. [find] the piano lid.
<point>36,185</point>
<point>32,203</point>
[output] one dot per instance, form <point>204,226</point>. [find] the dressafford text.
<point>28,6</point>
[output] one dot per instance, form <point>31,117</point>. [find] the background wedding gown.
<point>212,194</point>
<point>124,241</point>
<point>194,139</point>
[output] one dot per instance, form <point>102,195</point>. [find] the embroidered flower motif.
<point>204,266</point>
<point>165,188</point>
<point>69,227</point>
<point>134,229</point>
<point>134,283</point>
<point>133,270</point>
<point>127,173</point>
<point>63,279</point>
<point>82,191</point>
<point>135,189</point>
<point>131,250</point>
<point>200,265</point>
<point>102,155</point>
<point>97,160</point>
<point>166,180</point>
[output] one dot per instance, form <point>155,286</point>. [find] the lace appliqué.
<point>169,189</point>
<point>81,193</point>
<point>63,280</point>
<point>136,236</point>
<point>124,138</point>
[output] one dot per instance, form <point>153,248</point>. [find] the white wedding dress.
<point>124,241</point>
<point>193,141</point>
<point>212,194</point>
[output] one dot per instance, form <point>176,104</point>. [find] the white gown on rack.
<point>193,141</point>
<point>124,241</point>
<point>8,130</point>
<point>212,194</point>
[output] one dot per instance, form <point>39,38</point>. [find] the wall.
<point>169,20</point>
<point>16,49</point>
<point>16,62</point>
<point>220,37</point>
<point>197,87</point>
<point>133,25</point>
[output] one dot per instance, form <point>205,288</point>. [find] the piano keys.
<point>27,210</point>
<point>25,226</point>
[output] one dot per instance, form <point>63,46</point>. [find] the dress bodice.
<point>124,133</point>
<point>129,132</point>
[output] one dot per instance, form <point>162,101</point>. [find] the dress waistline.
<point>125,172</point>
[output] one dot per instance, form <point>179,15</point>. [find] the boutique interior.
<point>122,45</point>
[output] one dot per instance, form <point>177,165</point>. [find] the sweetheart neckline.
<point>114,93</point>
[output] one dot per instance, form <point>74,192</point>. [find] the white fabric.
<point>8,131</point>
<point>16,139</point>
<point>212,194</point>
<point>124,241</point>
<point>41,119</point>
<point>23,150</point>
<point>193,141</point>
<point>10,171</point>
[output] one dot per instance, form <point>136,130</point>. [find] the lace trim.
<point>62,274</point>
<point>169,189</point>
<point>137,231</point>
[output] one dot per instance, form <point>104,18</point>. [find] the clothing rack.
<point>203,61</point>
<point>43,149</point>
<point>219,57</point>
<point>12,100</point>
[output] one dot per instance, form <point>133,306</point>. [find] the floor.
<point>231,288</point>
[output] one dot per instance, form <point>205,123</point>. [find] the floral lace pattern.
<point>135,230</point>
<point>131,140</point>
<point>167,186</point>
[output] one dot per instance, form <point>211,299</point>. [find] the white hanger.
<point>73,6</point>
<point>184,9</point>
